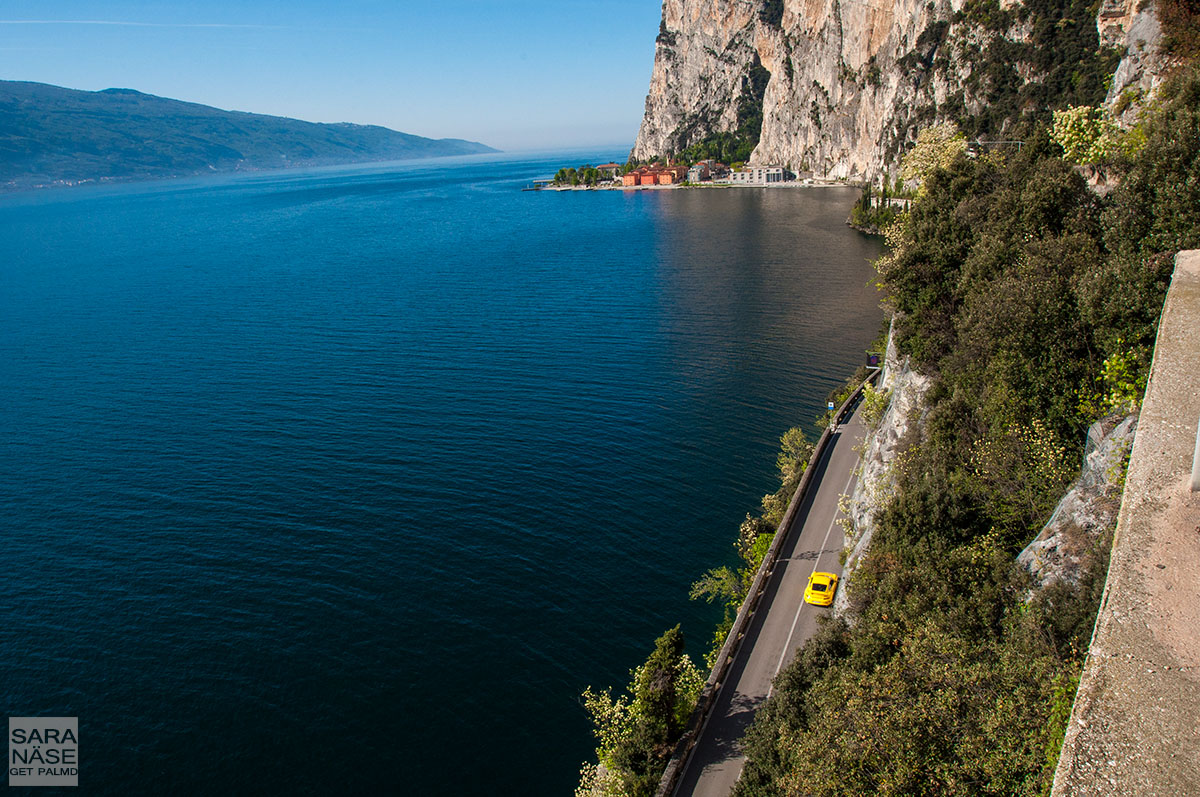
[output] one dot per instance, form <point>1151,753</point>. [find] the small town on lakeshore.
<point>875,209</point>
<point>675,174</point>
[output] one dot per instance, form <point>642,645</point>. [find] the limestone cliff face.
<point>704,49</point>
<point>838,101</point>
<point>851,81</point>
<point>1131,27</point>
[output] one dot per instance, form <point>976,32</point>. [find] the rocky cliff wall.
<point>1082,517</point>
<point>876,478</point>
<point>1089,509</point>
<point>851,81</point>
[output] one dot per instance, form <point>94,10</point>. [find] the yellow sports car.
<point>821,587</point>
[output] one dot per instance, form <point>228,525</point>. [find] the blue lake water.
<point>350,480</point>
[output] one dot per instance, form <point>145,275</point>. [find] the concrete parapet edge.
<point>732,646</point>
<point>1135,724</point>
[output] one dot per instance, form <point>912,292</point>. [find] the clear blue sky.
<point>516,74</point>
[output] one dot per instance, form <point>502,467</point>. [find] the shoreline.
<point>792,184</point>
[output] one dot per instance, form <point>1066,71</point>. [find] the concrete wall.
<point>1135,726</point>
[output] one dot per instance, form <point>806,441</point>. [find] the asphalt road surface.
<point>783,621</point>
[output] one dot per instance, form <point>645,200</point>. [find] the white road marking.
<point>816,563</point>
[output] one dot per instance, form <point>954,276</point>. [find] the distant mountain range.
<point>53,136</point>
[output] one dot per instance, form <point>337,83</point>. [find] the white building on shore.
<point>758,175</point>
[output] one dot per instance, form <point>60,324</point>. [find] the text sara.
<point>44,736</point>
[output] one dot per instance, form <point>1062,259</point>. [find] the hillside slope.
<point>1030,304</point>
<point>53,135</point>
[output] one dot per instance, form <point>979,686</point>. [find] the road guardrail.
<point>732,647</point>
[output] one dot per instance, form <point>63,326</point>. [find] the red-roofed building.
<point>654,175</point>
<point>671,175</point>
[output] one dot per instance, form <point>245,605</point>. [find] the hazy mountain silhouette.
<point>50,134</point>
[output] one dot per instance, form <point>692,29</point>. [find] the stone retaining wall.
<point>1135,725</point>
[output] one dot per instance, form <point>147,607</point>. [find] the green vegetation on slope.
<point>735,146</point>
<point>1181,27</point>
<point>1034,303</point>
<point>636,732</point>
<point>586,174</point>
<point>878,208</point>
<point>1063,50</point>
<point>1013,67</point>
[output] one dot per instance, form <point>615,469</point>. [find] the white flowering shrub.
<point>1089,137</point>
<point>936,148</point>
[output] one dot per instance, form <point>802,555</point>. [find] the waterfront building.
<point>758,175</point>
<point>671,174</point>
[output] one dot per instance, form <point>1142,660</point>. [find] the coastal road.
<point>782,623</point>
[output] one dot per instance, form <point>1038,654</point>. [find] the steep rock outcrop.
<point>1131,27</point>
<point>1088,510</point>
<point>704,50</point>
<point>851,81</point>
<point>835,89</point>
<point>876,478</point>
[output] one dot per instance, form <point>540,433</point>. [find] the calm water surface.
<point>350,480</point>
